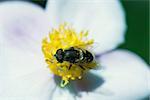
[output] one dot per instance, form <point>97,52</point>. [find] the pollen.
<point>65,37</point>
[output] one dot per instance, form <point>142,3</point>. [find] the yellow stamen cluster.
<point>65,37</point>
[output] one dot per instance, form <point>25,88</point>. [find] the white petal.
<point>52,12</point>
<point>104,19</point>
<point>23,76</point>
<point>126,77</point>
<point>23,25</point>
<point>62,94</point>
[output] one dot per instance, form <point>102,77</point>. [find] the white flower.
<point>23,72</point>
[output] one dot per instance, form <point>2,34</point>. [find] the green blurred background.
<point>137,34</point>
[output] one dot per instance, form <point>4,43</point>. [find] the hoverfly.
<point>74,55</point>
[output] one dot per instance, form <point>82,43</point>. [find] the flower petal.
<point>126,77</point>
<point>52,12</point>
<point>23,25</point>
<point>104,19</point>
<point>61,94</point>
<point>23,76</point>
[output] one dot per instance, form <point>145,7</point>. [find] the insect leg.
<point>81,67</point>
<point>70,66</point>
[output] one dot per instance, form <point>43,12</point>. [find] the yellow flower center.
<point>63,38</point>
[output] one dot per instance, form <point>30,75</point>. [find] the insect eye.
<point>60,57</point>
<point>59,51</point>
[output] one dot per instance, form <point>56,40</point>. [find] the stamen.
<point>64,83</point>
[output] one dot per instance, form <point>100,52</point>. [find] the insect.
<point>74,55</point>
